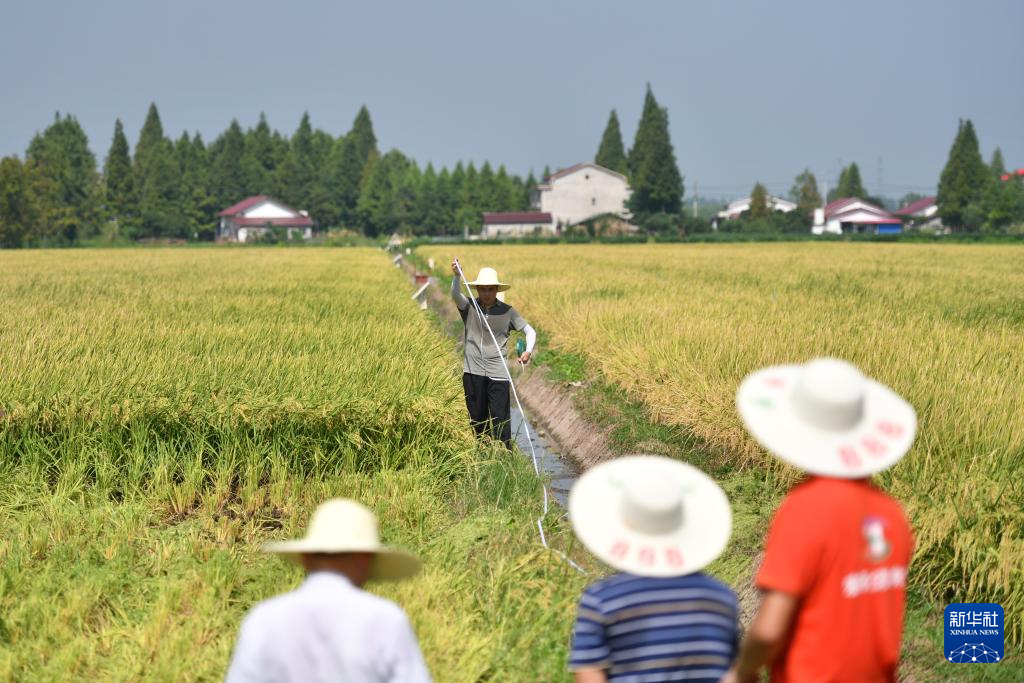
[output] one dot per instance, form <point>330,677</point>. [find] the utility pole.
<point>694,198</point>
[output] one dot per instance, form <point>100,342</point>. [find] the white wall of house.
<point>494,231</point>
<point>586,192</point>
<point>735,208</point>
<point>268,209</point>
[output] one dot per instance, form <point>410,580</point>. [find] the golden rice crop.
<point>165,412</point>
<point>678,326</point>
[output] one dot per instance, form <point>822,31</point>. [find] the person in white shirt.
<point>328,629</point>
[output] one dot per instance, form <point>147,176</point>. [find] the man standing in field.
<point>484,381</point>
<point>835,563</point>
<point>659,522</point>
<point>329,629</point>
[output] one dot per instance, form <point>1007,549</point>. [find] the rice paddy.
<point>676,327</point>
<point>165,412</point>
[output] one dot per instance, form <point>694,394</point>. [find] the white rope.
<point>524,424</point>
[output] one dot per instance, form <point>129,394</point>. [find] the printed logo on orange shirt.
<point>878,548</point>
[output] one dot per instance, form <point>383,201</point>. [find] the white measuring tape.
<point>524,424</point>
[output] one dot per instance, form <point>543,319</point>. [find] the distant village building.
<point>924,213</point>
<point>518,224</point>
<point>854,215</point>
<point>581,192</point>
<point>740,206</point>
<point>251,218</point>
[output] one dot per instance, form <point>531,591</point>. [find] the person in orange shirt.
<point>835,562</point>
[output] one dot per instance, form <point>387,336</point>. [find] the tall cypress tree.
<point>117,176</point>
<point>228,178</point>
<point>654,174</point>
<point>805,192</point>
<point>758,202</point>
<point>296,175</point>
<point>157,181</point>
<point>71,189</point>
<point>351,167</point>
<point>850,184</point>
<point>611,154</point>
<point>997,164</point>
<point>963,182</point>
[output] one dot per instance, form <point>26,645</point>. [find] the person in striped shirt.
<point>658,522</point>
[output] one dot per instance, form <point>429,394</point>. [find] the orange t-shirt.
<point>842,547</point>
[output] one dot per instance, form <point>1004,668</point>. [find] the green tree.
<point>70,185</point>
<point>758,202</point>
<point>295,177</point>
<point>963,182</point>
<point>850,184</point>
<point>805,192</point>
<point>997,164</point>
<point>230,174</point>
<point>611,154</point>
<point>117,176</point>
<point>157,181</point>
<point>259,159</point>
<point>22,208</point>
<point>387,202</point>
<point>654,174</point>
<point>351,167</point>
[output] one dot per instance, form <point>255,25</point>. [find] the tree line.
<point>174,188</point>
<point>972,196</point>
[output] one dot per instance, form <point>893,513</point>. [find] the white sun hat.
<point>340,525</point>
<point>489,276</point>
<point>651,516</point>
<point>827,418</point>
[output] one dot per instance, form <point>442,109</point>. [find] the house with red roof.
<point>854,215</point>
<point>924,213</point>
<point>517,224</point>
<point>251,218</point>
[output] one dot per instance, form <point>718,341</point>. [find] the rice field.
<point>165,412</point>
<point>676,327</point>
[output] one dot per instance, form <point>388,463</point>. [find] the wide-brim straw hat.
<point>340,526</point>
<point>827,418</point>
<point>651,516</point>
<point>489,276</point>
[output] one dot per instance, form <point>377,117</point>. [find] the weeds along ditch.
<point>676,327</point>
<point>165,412</point>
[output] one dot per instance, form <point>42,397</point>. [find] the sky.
<point>756,91</point>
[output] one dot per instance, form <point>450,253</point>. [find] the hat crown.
<point>487,276</point>
<point>829,394</point>
<point>652,505</point>
<point>340,519</point>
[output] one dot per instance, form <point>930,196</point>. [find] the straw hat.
<point>827,418</point>
<point>651,516</point>
<point>344,526</point>
<point>489,276</point>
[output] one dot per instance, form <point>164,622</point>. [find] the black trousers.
<point>488,403</point>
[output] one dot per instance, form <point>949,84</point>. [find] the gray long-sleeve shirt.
<point>481,357</point>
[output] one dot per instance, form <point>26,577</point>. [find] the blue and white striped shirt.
<point>641,629</point>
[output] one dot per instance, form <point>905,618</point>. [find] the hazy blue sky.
<point>755,90</point>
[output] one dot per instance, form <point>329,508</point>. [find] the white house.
<point>924,213</point>
<point>854,215</point>
<point>518,224</point>
<point>250,218</point>
<point>740,206</point>
<point>581,192</point>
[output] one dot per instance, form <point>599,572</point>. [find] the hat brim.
<point>502,286</point>
<point>877,442</point>
<point>389,564</point>
<point>595,510</point>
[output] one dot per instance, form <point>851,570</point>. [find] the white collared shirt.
<point>327,630</point>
